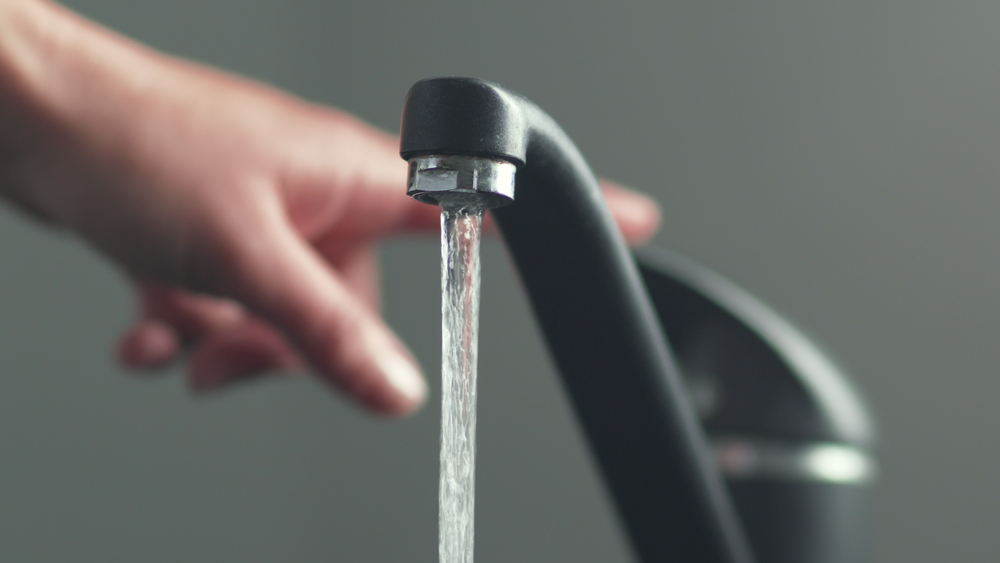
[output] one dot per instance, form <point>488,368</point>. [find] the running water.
<point>461,221</point>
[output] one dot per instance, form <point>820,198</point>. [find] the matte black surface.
<point>463,116</point>
<point>747,354</point>
<point>600,327</point>
<point>805,522</point>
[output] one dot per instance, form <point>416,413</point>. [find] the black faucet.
<point>607,323</point>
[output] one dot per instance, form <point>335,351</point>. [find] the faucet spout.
<point>446,179</point>
<point>586,292</point>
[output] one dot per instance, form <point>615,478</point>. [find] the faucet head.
<point>446,179</point>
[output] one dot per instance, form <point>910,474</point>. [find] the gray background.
<point>838,159</point>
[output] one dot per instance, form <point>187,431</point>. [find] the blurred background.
<point>839,160</point>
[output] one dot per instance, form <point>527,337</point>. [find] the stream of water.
<point>461,223</point>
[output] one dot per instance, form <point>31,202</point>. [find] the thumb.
<point>281,278</point>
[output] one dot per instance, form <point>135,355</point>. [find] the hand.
<point>247,217</point>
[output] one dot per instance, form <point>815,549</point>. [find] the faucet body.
<point>790,434</point>
<point>598,319</point>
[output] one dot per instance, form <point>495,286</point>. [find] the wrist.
<point>34,42</point>
<point>19,47</point>
<point>61,77</point>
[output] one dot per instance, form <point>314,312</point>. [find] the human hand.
<point>247,217</point>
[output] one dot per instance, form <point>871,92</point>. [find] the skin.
<point>247,218</point>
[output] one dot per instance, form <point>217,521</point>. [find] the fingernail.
<point>638,208</point>
<point>403,376</point>
<point>151,345</point>
<point>396,365</point>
